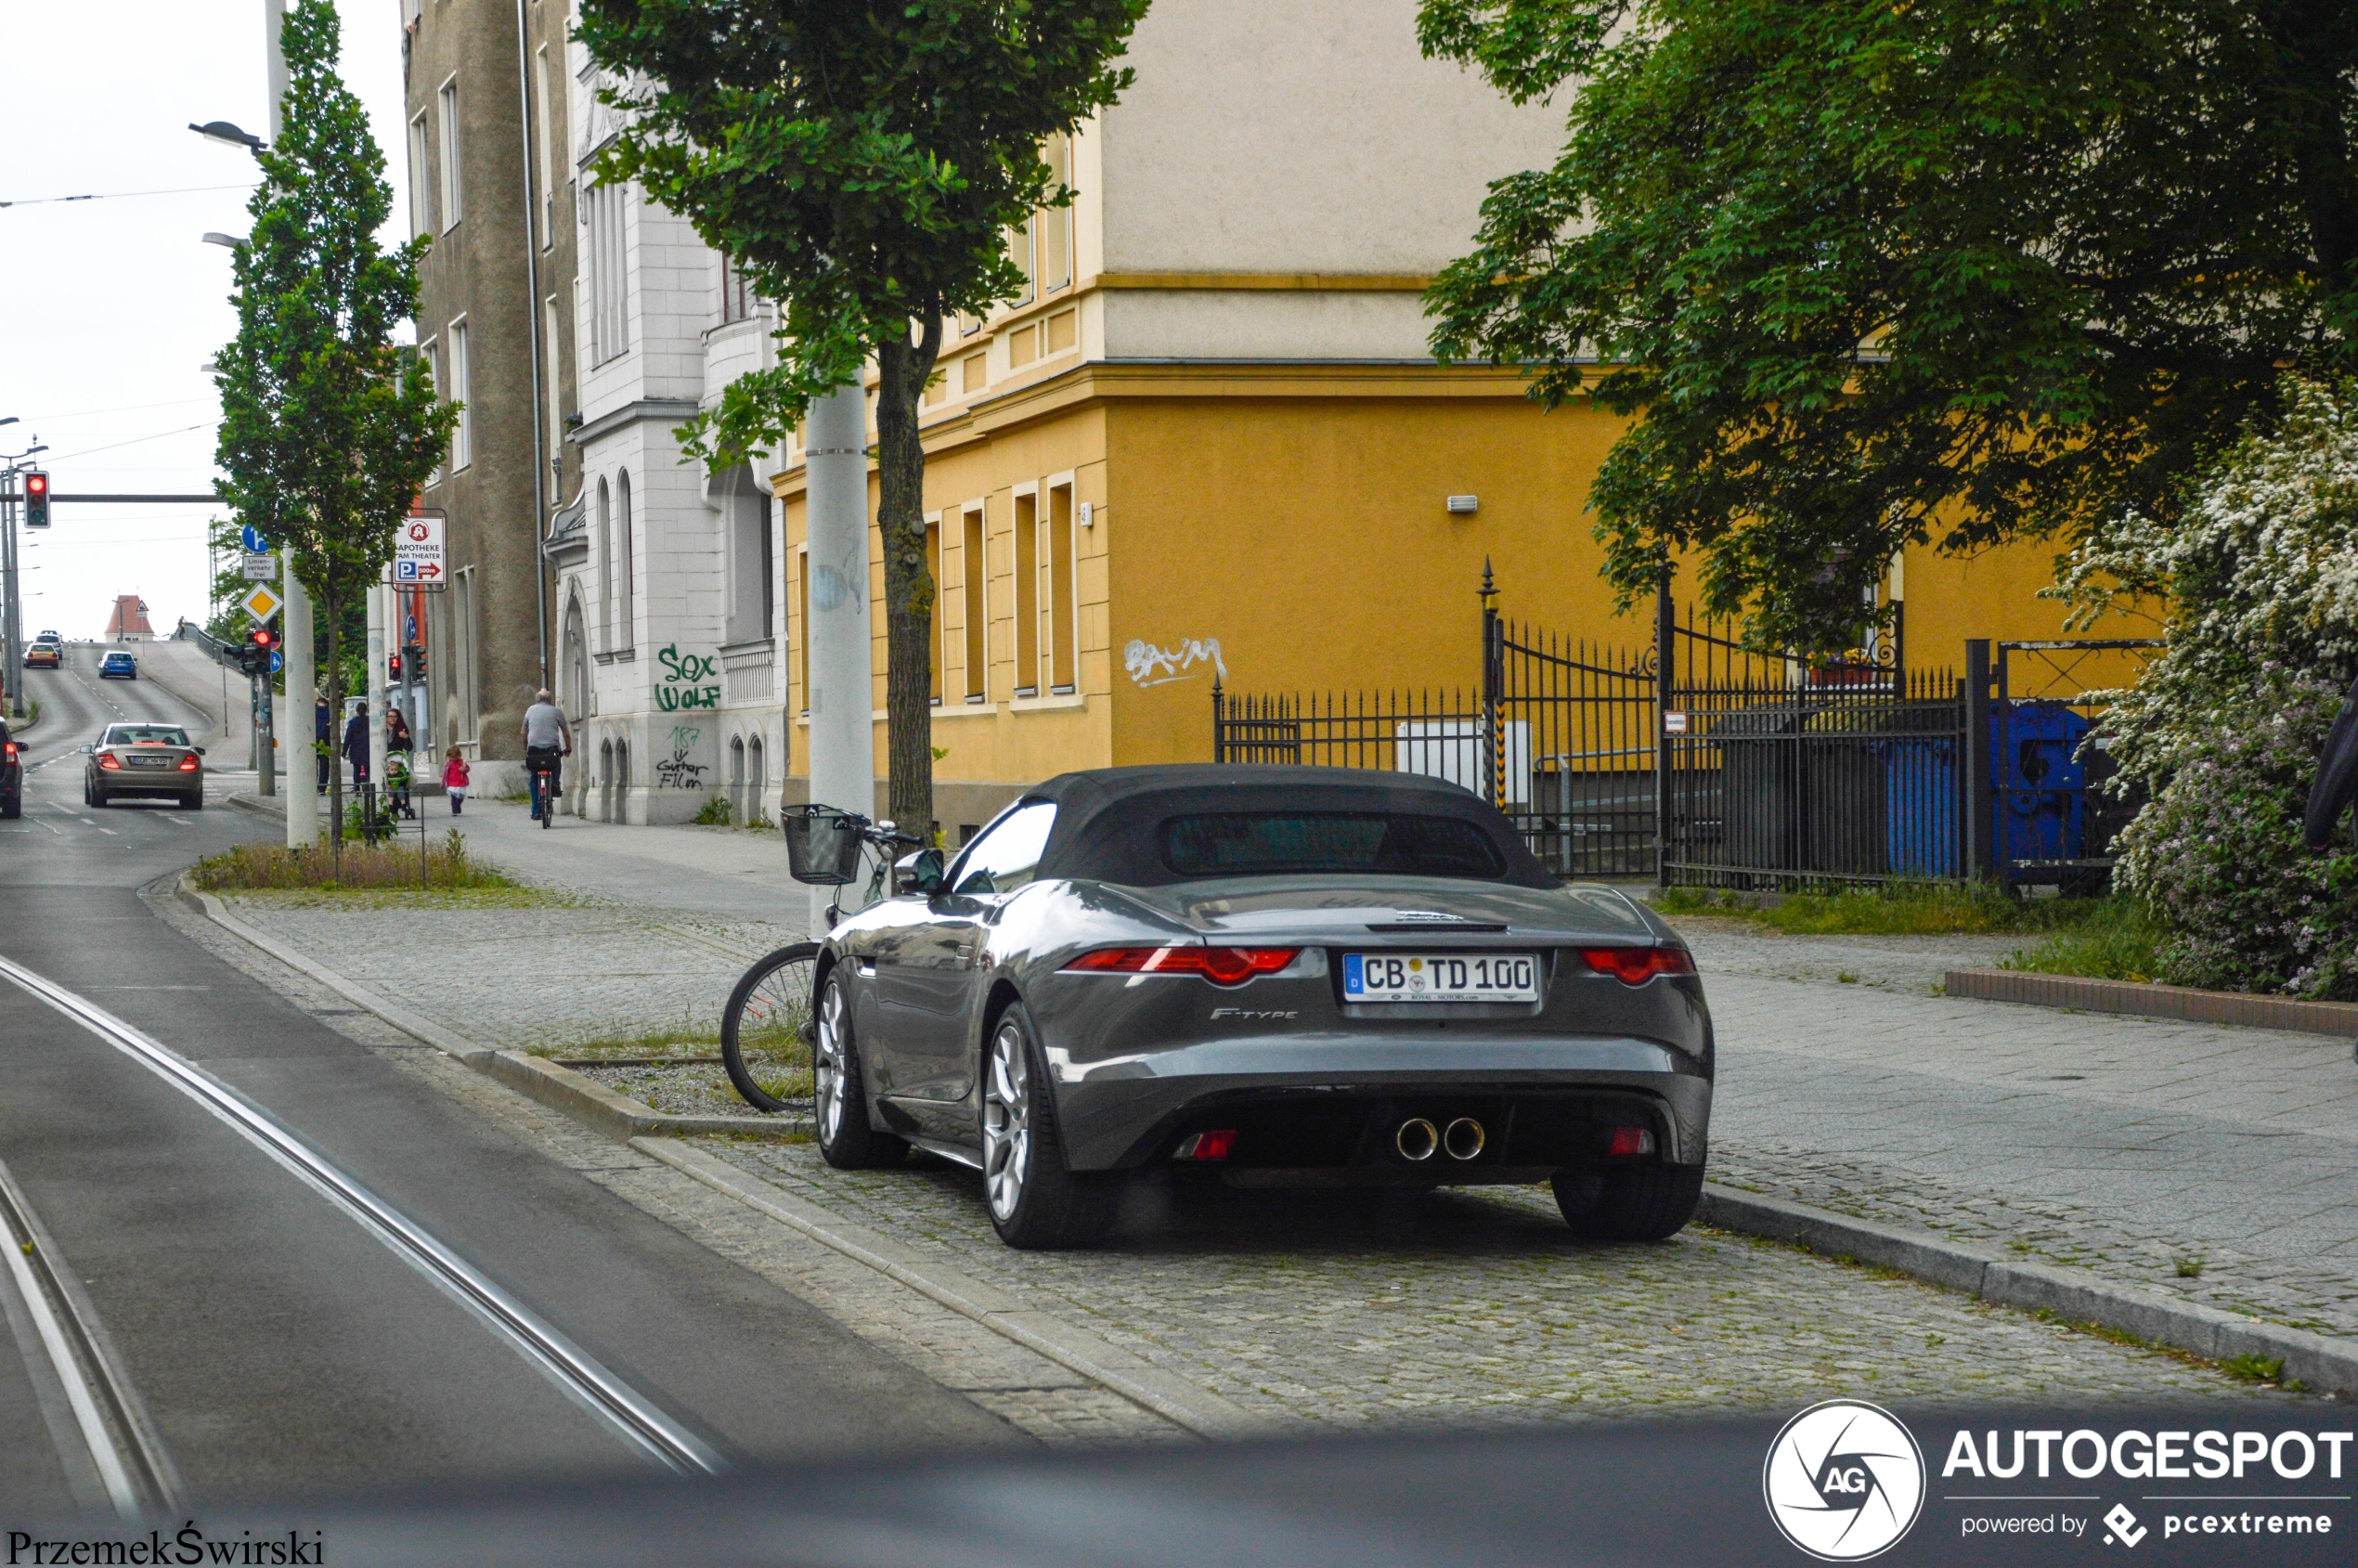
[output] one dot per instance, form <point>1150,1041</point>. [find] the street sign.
<point>277,661</point>
<point>252,537</point>
<point>418,557</point>
<point>263,603</point>
<point>261,566</point>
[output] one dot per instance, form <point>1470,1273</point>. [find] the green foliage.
<point>327,430</point>
<point>1865,273</point>
<point>2119,940</point>
<point>714,812</point>
<point>862,160</point>
<point>382,867</point>
<point>1902,909</point>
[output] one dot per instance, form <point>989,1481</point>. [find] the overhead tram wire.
<point>125,195</point>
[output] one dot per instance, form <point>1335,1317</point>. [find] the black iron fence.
<point>1706,762</point>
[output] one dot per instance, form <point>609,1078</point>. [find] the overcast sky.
<point>107,307</point>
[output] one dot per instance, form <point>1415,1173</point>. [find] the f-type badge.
<point>1248,1015</point>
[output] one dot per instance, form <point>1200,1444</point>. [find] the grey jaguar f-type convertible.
<point>1279,975</point>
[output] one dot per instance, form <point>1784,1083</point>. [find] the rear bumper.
<point>1317,1101</point>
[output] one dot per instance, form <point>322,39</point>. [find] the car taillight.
<point>1636,966</point>
<point>11,749</point>
<point>1221,965</point>
<point>1629,1143</point>
<point>188,764</point>
<point>106,759</point>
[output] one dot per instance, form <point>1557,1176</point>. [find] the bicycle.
<point>770,1026</point>
<point>543,764</point>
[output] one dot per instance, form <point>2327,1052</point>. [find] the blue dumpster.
<point>2040,788</point>
<point>1920,806</point>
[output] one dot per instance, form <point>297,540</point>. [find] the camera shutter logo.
<point>1843,1480</point>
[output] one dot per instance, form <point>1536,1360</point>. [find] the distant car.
<point>118,666</point>
<point>52,636</point>
<point>12,775</point>
<point>42,656</point>
<point>143,759</point>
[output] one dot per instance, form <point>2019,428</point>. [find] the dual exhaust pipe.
<point>1418,1140</point>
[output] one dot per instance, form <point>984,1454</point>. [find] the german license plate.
<point>152,762</point>
<point>1439,976</point>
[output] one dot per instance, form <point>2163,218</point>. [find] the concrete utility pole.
<point>843,768</point>
<point>289,714</point>
<point>380,611</point>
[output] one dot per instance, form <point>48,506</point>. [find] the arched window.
<point>606,781</point>
<point>737,777</point>
<point>756,780</point>
<point>605,565</point>
<point>630,628</point>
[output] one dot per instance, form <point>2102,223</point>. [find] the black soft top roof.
<point>1107,818</point>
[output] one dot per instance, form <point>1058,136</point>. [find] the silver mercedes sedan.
<point>1266,975</point>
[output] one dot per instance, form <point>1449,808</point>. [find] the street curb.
<point>2323,1364</point>
<point>275,807</point>
<point>561,1089</point>
<point>1166,1393</point>
<point>2141,999</point>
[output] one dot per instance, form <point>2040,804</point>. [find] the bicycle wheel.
<point>766,1030</point>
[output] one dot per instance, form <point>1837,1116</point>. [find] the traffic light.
<point>36,500</point>
<point>254,657</point>
<point>393,669</point>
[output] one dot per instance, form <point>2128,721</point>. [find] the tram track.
<point>634,1421</point>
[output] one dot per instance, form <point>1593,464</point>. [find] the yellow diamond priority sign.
<point>263,603</point>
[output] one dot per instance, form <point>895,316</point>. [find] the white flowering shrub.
<point>2224,728</point>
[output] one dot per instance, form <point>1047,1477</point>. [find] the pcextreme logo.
<point>1843,1480</point>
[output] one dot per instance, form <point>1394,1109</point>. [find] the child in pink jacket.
<point>454,779</point>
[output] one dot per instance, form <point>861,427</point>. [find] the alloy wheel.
<point>827,1065</point>
<point>1006,1121</point>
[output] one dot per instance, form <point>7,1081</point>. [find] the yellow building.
<point>1210,443</point>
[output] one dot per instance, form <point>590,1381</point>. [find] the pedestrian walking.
<point>356,747</point>
<point>322,734</point>
<point>454,779</point>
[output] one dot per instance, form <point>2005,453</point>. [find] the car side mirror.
<point>918,873</point>
<point>198,749</point>
<point>88,749</point>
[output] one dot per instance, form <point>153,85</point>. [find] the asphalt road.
<point>279,1347</point>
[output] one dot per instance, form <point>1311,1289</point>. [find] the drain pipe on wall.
<point>532,329</point>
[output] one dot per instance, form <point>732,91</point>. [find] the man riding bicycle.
<point>548,739</point>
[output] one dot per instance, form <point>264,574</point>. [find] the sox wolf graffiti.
<point>688,681</point>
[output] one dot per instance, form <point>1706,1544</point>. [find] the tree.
<point>1867,273</point>
<point>862,161</point>
<point>328,430</point>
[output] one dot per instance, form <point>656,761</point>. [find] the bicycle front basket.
<point>822,849</point>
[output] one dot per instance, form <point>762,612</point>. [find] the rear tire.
<point>12,808</point>
<point>769,1027</point>
<point>840,1090</point>
<point>1629,1202</point>
<point>1036,1201</point>
<point>192,803</point>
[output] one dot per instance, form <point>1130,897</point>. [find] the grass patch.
<point>1902,909</point>
<point>715,812</point>
<point>676,1040</point>
<point>444,867</point>
<point>2119,940</point>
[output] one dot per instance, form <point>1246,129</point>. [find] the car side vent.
<point>1406,926</point>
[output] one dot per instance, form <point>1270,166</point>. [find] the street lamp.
<point>227,241</point>
<point>229,135</point>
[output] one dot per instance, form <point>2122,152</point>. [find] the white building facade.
<point>669,584</point>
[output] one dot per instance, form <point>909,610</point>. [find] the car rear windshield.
<point>146,734</point>
<point>1314,843</point>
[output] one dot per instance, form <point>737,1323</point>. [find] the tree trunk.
<point>908,588</point>
<point>336,732</point>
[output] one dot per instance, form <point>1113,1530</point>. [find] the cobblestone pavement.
<point>1473,1306</point>
<point>2215,1163</point>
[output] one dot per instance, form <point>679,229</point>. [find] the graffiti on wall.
<point>688,681</point>
<point>676,771</point>
<point>1150,665</point>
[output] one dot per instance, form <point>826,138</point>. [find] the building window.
<point>462,434</point>
<point>1062,557</point>
<point>938,646</point>
<point>462,629</point>
<point>1028,595</point>
<point>605,566</point>
<point>971,566</point>
<point>609,320</point>
<point>628,562</point>
<point>768,567</point>
<point>448,127</point>
<point>802,620</point>
<point>421,178</point>
<point>1055,223</point>
<point>547,143</point>
<point>1023,248</point>
<point>738,301</point>
<point>554,395</point>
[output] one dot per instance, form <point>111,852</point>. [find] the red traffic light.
<point>262,637</point>
<point>36,500</point>
<point>36,484</point>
